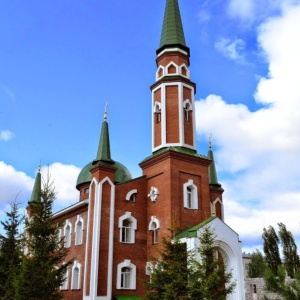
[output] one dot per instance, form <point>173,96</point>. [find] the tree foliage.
<point>10,252</point>
<point>289,250</point>
<point>42,269</point>
<point>208,278</point>
<point>170,272</point>
<point>179,274</point>
<point>257,266</point>
<point>271,248</point>
<point>285,280</point>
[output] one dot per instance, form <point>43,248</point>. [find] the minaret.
<point>36,193</point>
<point>173,117</point>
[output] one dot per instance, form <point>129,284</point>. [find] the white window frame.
<point>128,216</point>
<point>213,208</point>
<point>68,235</point>
<point>132,275</point>
<point>130,194</point>
<point>79,231</point>
<point>190,197</point>
<point>75,282</point>
<point>154,225</point>
<point>65,284</point>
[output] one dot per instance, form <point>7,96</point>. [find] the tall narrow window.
<point>154,226</point>
<point>64,285</point>
<point>125,278</point>
<point>126,275</point>
<point>126,231</point>
<point>154,234</point>
<point>79,230</point>
<point>128,226</point>
<point>76,274</point>
<point>190,195</point>
<point>68,234</point>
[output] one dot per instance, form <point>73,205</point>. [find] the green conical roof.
<point>172,31</point>
<point>103,153</point>
<point>36,192</point>
<point>213,179</point>
<point>103,158</point>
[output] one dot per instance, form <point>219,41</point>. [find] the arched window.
<point>76,274</point>
<point>126,275</point>
<point>79,230</point>
<point>68,233</point>
<point>127,225</point>
<point>190,195</point>
<point>157,111</point>
<point>126,231</point>
<point>188,107</point>
<point>153,226</point>
<point>131,195</point>
<point>64,285</point>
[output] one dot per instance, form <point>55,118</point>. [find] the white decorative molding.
<point>153,194</point>
<point>132,275</point>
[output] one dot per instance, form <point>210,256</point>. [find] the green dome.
<point>121,175</point>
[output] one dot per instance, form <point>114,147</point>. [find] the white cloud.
<point>6,135</point>
<point>232,49</point>
<point>64,179</point>
<point>242,9</point>
<point>13,184</point>
<point>16,183</point>
<point>258,152</point>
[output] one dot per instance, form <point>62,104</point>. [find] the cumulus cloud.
<point>64,179</point>
<point>259,151</point>
<point>14,183</point>
<point>232,49</point>
<point>6,135</point>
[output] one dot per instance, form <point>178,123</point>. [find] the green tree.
<point>289,250</point>
<point>179,274</point>
<point>42,270</point>
<point>271,249</point>
<point>170,272</point>
<point>10,252</point>
<point>287,288</point>
<point>257,266</point>
<point>208,278</point>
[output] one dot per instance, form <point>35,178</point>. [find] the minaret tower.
<point>173,118</point>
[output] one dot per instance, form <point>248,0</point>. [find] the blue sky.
<point>60,61</point>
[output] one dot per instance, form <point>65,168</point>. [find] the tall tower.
<point>178,180</point>
<point>173,118</point>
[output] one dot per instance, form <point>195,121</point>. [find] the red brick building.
<point>117,223</point>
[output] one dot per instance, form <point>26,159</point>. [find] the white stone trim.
<point>194,195</point>
<point>96,242</point>
<point>127,263</point>
<point>130,193</point>
<point>181,142</point>
<point>70,208</point>
<point>154,220</point>
<point>76,285</point>
<point>172,50</point>
<point>78,240</point>
<point>67,243</point>
<point>213,208</point>
<point>133,228</point>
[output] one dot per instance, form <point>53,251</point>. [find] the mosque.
<point>117,224</point>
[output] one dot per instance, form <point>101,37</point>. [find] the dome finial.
<point>209,140</point>
<point>105,111</point>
